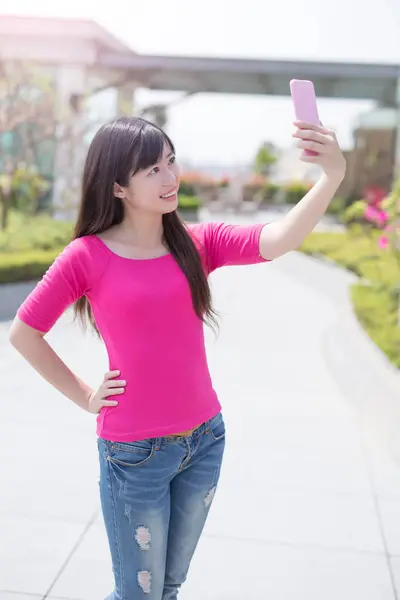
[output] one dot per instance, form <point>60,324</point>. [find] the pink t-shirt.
<point>144,312</point>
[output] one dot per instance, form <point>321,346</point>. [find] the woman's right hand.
<point>109,387</point>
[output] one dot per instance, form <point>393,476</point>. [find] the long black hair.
<point>120,149</point>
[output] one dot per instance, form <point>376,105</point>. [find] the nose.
<point>170,179</point>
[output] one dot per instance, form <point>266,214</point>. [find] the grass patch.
<point>376,310</point>
<point>376,303</point>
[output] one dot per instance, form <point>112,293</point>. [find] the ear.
<point>118,191</point>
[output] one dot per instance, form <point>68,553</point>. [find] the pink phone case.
<point>305,103</point>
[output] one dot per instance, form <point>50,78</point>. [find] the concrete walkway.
<point>309,501</point>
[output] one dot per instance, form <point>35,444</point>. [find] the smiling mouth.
<point>169,194</point>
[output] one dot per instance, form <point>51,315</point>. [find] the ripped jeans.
<point>155,497</point>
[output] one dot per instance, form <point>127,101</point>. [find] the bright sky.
<point>210,128</point>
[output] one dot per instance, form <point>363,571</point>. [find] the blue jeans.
<point>155,497</point>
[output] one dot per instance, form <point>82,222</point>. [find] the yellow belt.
<point>186,433</point>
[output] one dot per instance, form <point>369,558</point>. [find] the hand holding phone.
<point>305,104</point>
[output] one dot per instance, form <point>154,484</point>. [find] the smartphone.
<point>305,104</point>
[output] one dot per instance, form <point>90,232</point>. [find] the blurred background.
<point>320,496</point>
<point>218,81</point>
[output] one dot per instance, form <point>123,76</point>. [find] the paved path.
<point>309,502</point>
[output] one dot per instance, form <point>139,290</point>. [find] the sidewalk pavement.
<point>309,500</point>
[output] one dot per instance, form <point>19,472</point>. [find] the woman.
<point>138,274</point>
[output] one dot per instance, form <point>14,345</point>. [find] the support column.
<point>125,100</point>
<point>70,133</point>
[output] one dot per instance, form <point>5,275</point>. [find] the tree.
<point>266,157</point>
<point>38,137</point>
<point>26,119</point>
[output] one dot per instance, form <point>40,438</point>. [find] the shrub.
<point>188,202</point>
<point>354,213</point>
<point>25,266</point>
<point>271,191</point>
<point>295,191</point>
<point>259,188</point>
<point>34,233</point>
<point>186,188</point>
<point>337,206</point>
<point>191,182</point>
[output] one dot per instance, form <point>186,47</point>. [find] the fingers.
<point>109,403</point>
<point>311,126</point>
<point>112,391</point>
<point>115,383</point>
<point>111,375</point>
<point>314,146</point>
<point>112,387</point>
<point>309,134</point>
<point>316,159</point>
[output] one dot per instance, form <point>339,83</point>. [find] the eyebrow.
<point>170,154</point>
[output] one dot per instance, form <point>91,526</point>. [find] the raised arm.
<point>289,233</point>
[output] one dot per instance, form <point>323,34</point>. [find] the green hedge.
<point>26,233</point>
<point>30,244</point>
<point>188,202</point>
<point>376,298</point>
<point>295,191</point>
<point>25,266</point>
<point>186,188</point>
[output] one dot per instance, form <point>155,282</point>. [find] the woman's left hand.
<point>323,142</point>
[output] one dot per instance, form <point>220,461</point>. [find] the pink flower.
<point>383,217</point>
<point>370,213</point>
<point>375,215</point>
<point>383,242</point>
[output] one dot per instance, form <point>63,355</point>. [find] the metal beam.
<point>371,81</point>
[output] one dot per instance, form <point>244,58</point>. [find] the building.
<point>370,163</point>
<point>91,76</point>
<point>56,62</point>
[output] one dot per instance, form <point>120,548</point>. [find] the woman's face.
<point>155,189</point>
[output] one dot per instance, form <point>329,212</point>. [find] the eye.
<point>172,159</point>
<point>154,171</point>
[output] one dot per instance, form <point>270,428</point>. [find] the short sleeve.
<point>226,244</point>
<point>67,279</point>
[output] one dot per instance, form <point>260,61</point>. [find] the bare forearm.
<point>40,355</point>
<point>278,238</point>
<point>289,233</point>
<point>303,217</point>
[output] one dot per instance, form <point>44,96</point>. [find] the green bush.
<point>263,191</point>
<point>26,233</point>
<point>188,202</point>
<point>25,266</point>
<point>354,213</point>
<point>270,191</point>
<point>186,188</point>
<point>295,191</point>
<point>337,207</point>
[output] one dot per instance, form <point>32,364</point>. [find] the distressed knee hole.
<point>210,497</point>
<point>144,581</point>
<point>143,538</point>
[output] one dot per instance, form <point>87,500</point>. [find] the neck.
<point>144,229</point>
